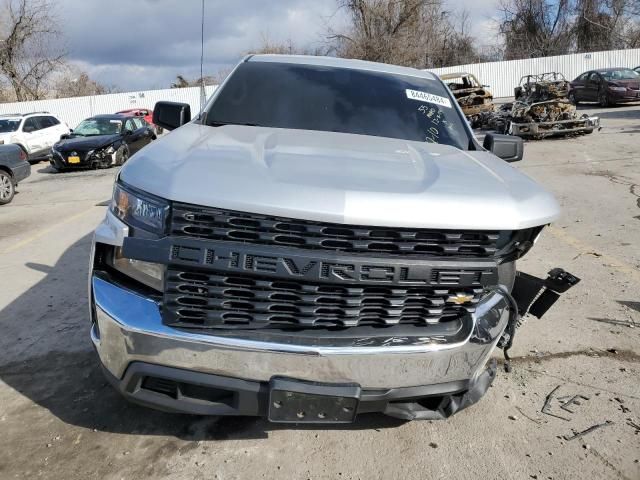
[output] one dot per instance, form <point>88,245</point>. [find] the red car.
<point>607,86</point>
<point>142,112</point>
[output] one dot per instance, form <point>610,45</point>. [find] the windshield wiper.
<point>215,123</point>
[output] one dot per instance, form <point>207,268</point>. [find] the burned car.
<point>541,109</point>
<point>473,97</point>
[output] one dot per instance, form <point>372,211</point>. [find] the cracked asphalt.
<point>60,420</point>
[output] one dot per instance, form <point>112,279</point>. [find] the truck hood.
<point>339,178</point>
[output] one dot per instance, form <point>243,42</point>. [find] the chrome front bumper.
<point>128,328</point>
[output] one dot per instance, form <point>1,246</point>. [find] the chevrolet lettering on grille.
<point>333,268</point>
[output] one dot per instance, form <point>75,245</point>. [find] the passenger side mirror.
<point>28,129</point>
<point>171,115</point>
<point>506,147</point>
<point>128,132</point>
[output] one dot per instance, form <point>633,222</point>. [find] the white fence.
<point>502,77</point>
<point>73,110</point>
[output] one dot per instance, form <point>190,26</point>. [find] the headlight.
<point>109,150</point>
<point>139,210</point>
<point>618,89</point>
<point>150,274</point>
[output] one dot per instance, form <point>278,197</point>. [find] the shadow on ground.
<point>619,112</point>
<point>48,359</point>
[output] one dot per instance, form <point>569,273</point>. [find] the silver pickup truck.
<point>325,238</point>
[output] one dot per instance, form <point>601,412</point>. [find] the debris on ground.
<point>575,400</point>
<point>546,408</point>
<point>633,425</point>
<point>588,430</point>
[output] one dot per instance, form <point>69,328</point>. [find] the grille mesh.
<point>212,300</point>
<point>225,225</point>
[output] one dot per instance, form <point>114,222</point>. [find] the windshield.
<point>342,100</point>
<point>98,126</point>
<point>622,74</point>
<point>9,124</point>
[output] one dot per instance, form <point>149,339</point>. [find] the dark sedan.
<point>101,142</point>
<point>14,168</point>
<point>606,86</point>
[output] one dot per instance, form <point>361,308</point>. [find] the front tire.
<point>573,99</point>
<point>122,155</point>
<point>603,100</point>
<point>7,188</point>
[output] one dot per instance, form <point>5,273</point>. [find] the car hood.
<point>338,177</point>
<point>85,143</point>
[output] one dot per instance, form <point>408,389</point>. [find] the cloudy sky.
<point>144,44</point>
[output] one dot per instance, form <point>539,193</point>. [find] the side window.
<point>593,77</point>
<point>583,77</point>
<point>45,122</point>
<point>138,122</point>
<point>53,121</point>
<point>31,125</point>
<point>129,125</point>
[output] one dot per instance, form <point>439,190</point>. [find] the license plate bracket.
<point>296,401</point>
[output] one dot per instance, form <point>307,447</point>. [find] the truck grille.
<point>225,225</point>
<point>213,300</point>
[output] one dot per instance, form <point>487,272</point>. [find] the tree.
<point>76,83</point>
<point>28,55</point>
<point>416,33</point>
<point>536,28</point>
<point>183,82</point>
<point>607,25</point>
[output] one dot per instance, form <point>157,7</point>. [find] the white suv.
<point>34,132</point>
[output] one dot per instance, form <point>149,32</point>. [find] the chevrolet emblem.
<point>460,298</point>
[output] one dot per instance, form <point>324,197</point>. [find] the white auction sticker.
<point>428,97</point>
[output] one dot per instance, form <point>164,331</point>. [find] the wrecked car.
<point>473,97</point>
<point>541,109</point>
<point>341,246</point>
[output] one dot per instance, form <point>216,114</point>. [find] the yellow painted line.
<point>580,246</point>
<point>42,233</point>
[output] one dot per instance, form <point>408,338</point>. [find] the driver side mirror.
<point>171,115</point>
<point>506,147</point>
<point>28,129</point>
<point>128,132</point>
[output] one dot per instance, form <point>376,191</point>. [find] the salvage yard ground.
<point>60,420</point>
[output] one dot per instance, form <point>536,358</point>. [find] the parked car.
<point>308,253</point>
<point>14,168</point>
<point>146,113</point>
<point>101,141</point>
<point>607,86</point>
<point>34,132</point>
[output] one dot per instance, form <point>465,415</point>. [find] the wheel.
<point>122,155</point>
<point>603,99</point>
<point>7,188</point>
<point>572,99</point>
